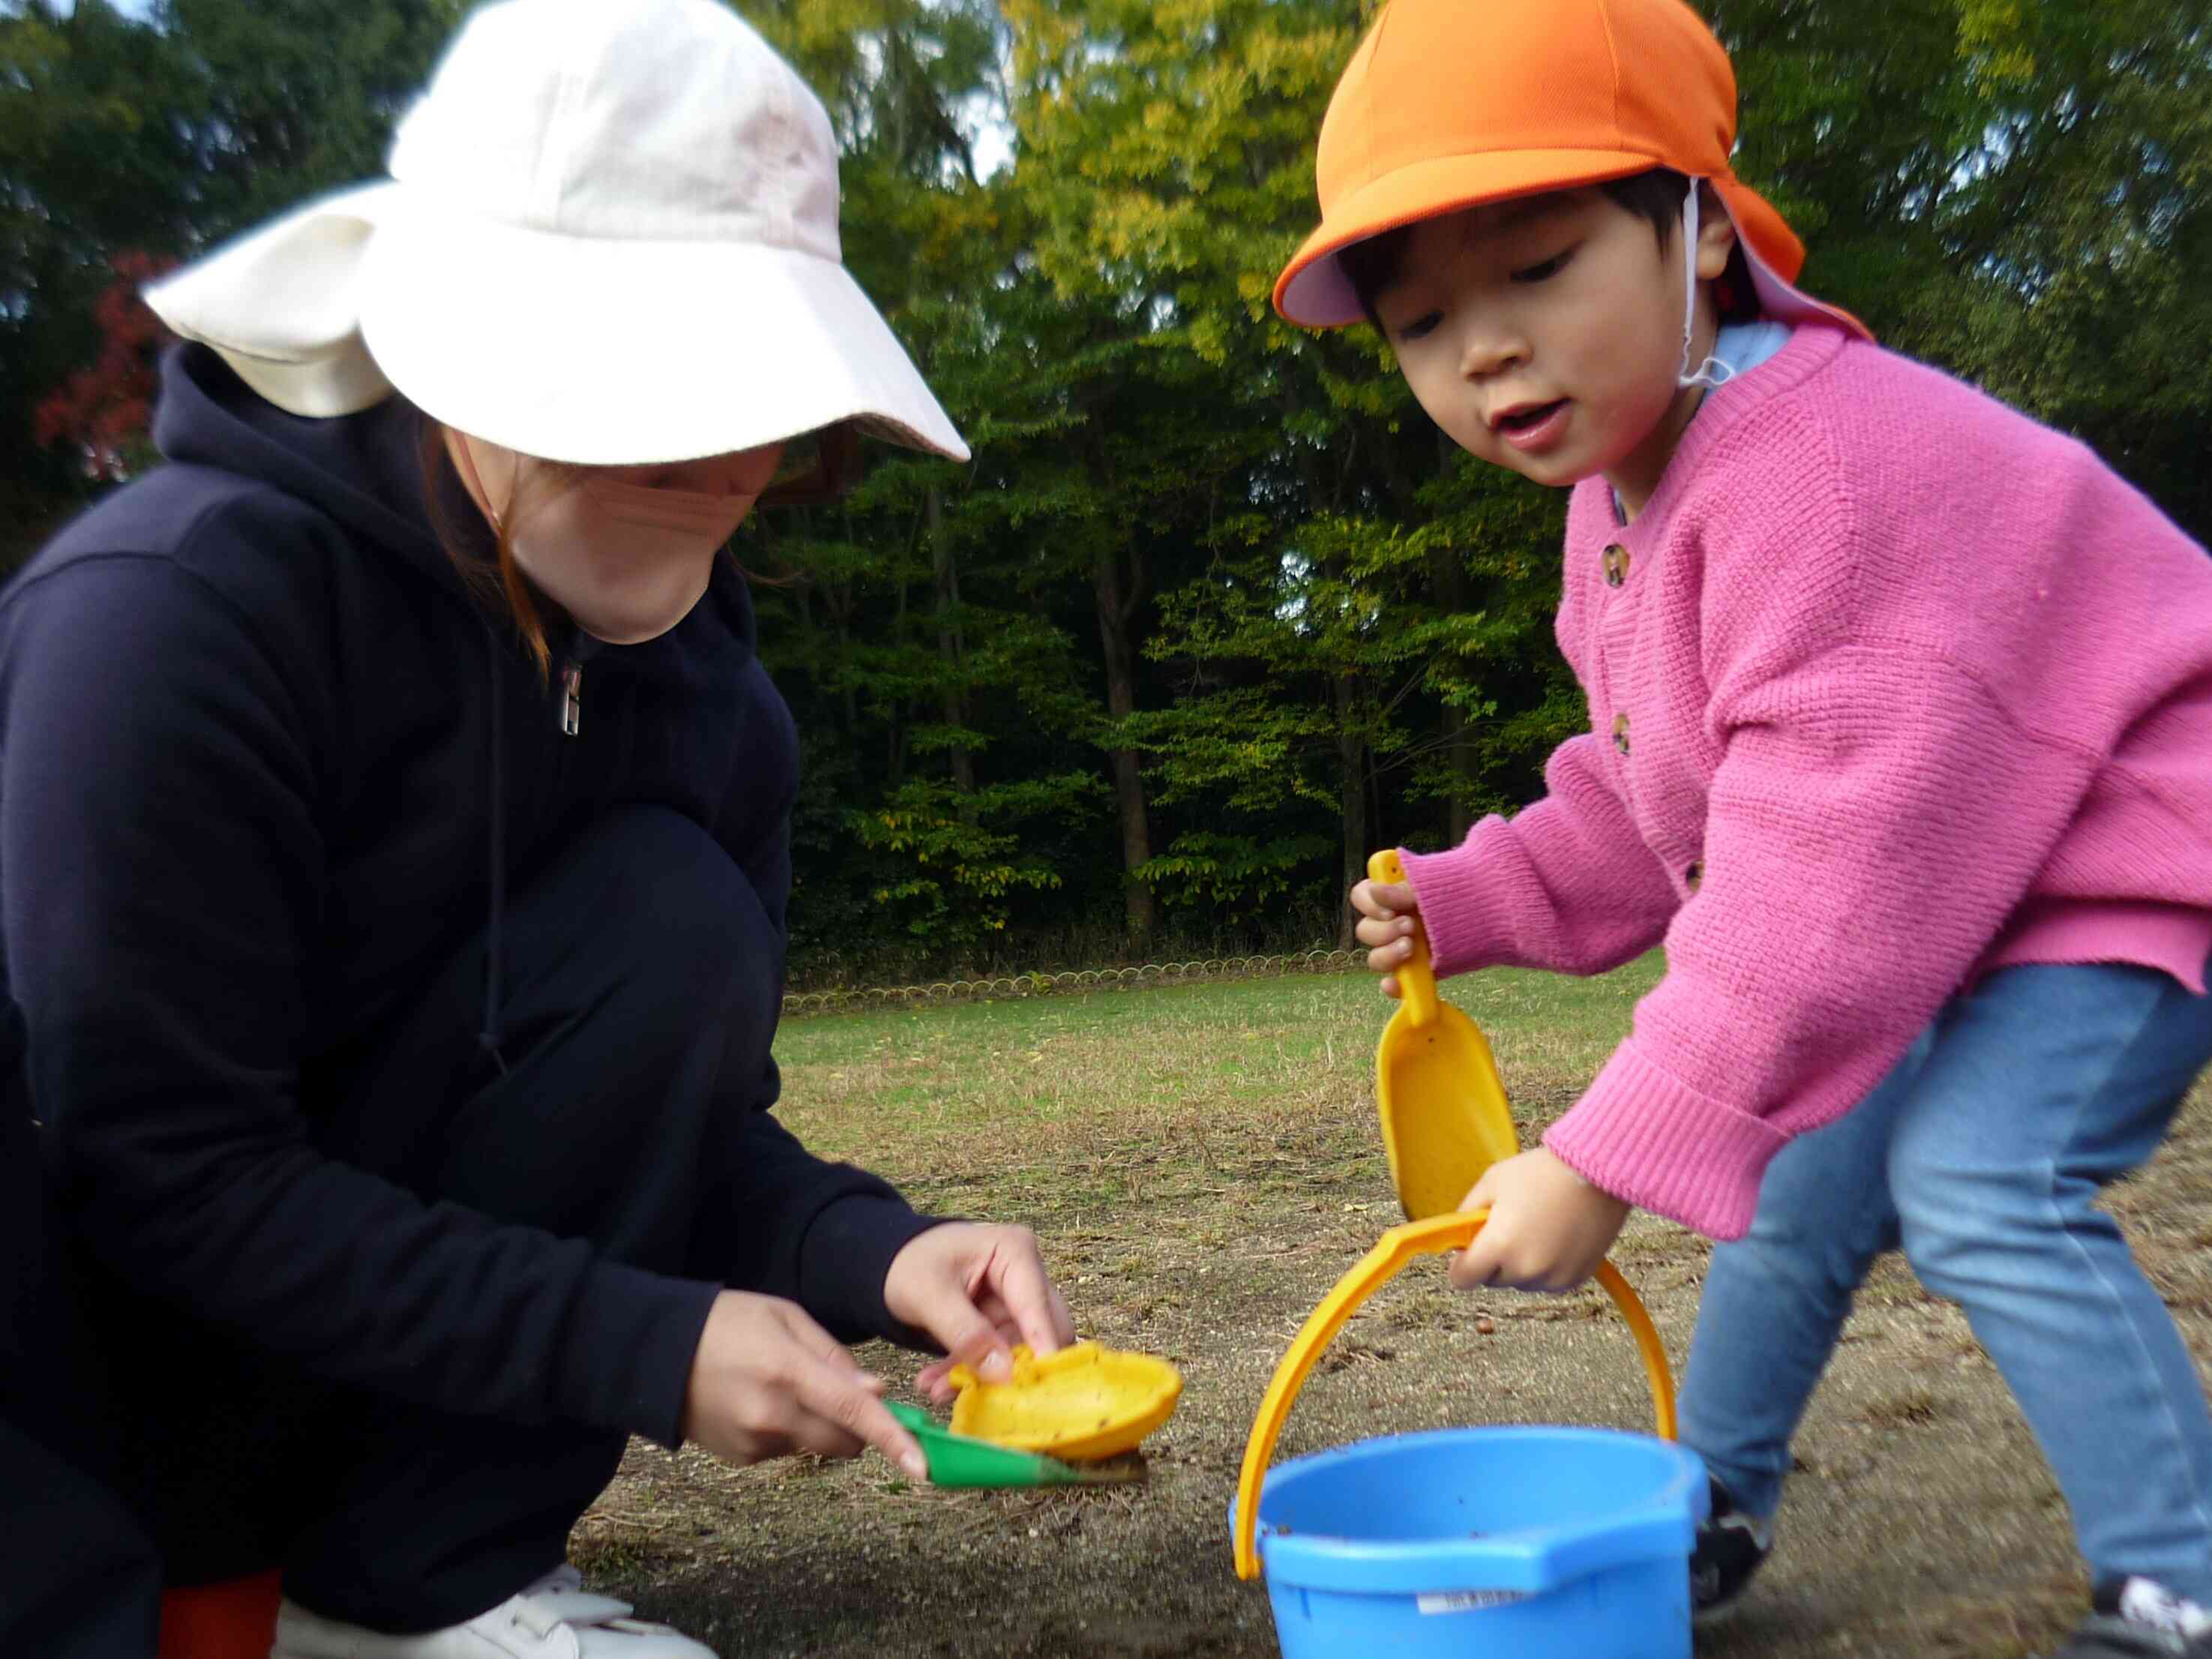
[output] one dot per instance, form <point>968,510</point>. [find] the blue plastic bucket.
<point>1523,1543</point>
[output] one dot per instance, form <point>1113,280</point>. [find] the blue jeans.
<point>1981,1155</point>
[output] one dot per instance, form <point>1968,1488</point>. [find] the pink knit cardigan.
<point>1889,686</point>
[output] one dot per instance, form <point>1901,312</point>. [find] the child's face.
<point>1545,335</point>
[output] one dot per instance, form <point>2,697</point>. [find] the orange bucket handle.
<point>1397,1247</point>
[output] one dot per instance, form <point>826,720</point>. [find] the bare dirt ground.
<point>1920,1520</point>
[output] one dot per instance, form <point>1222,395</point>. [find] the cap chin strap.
<point>1712,371</point>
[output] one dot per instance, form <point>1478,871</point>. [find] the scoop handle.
<point>1391,1253</point>
<point>1417,980</point>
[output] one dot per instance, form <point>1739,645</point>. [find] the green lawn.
<point>1145,1093</point>
<point>1201,1164</point>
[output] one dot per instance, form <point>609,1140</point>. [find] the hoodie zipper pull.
<point>572,697</point>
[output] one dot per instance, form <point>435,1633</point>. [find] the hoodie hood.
<point>364,473</point>
<point>364,470</point>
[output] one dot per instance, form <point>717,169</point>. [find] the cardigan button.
<point>1693,875</point>
<point>1616,565</point>
<point>1620,731</point>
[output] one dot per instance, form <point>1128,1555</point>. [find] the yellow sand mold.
<point>1081,1404</point>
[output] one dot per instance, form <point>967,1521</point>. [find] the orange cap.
<point>1450,103</point>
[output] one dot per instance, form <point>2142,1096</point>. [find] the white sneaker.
<point>556,1618</point>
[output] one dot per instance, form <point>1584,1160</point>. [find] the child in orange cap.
<point>1900,741</point>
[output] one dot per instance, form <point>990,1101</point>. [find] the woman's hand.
<point>1548,1228</point>
<point>1389,923</point>
<point>978,1288</point>
<point>766,1381</point>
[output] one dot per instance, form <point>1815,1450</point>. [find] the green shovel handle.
<point>960,1460</point>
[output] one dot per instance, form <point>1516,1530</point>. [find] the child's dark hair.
<point>1656,196</point>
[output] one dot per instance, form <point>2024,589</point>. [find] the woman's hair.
<point>1656,196</point>
<point>500,583</point>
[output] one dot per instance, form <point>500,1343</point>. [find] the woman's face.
<point>625,551</point>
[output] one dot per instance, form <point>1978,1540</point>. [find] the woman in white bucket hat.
<point>396,821</point>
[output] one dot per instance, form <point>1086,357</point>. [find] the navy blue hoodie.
<point>247,722</point>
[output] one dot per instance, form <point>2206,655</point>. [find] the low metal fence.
<point>843,1000</point>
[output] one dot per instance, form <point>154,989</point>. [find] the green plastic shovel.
<point>961,1460</point>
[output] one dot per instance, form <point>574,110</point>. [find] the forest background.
<point>1214,610</point>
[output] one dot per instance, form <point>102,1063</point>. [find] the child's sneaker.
<point>1730,1547</point>
<point>2141,1618</point>
<point>556,1618</point>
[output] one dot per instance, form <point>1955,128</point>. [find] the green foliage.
<point>163,135</point>
<point>959,857</point>
<point>2086,244</point>
<point>2020,191</point>
<point>1234,879</point>
<point>1212,610</point>
<point>292,98</point>
<point>88,169</point>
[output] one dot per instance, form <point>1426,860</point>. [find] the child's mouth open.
<point>1533,426</point>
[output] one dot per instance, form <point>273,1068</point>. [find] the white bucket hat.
<point>609,237</point>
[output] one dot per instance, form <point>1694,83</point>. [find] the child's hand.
<point>1390,920</point>
<point>1548,1228</point>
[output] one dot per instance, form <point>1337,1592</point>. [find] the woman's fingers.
<point>980,1291</point>
<point>1020,1287</point>
<point>836,1416</point>
<point>767,1380</point>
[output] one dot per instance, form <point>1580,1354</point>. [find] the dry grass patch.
<point>1201,1164</point>
<point>1913,1409</point>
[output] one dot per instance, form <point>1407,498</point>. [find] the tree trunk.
<point>839,599</point>
<point>952,702</point>
<point>1351,765</point>
<point>895,753</point>
<point>1116,608</point>
<point>1448,578</point>
<point>1458,819</point>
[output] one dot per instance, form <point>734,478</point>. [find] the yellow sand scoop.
<point>1445,1117</point>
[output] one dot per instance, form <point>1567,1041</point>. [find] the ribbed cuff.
<point>1645,1137</point>
<point>1463,912</point>
<point>845,1258</point>
<point>635,1334</point>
